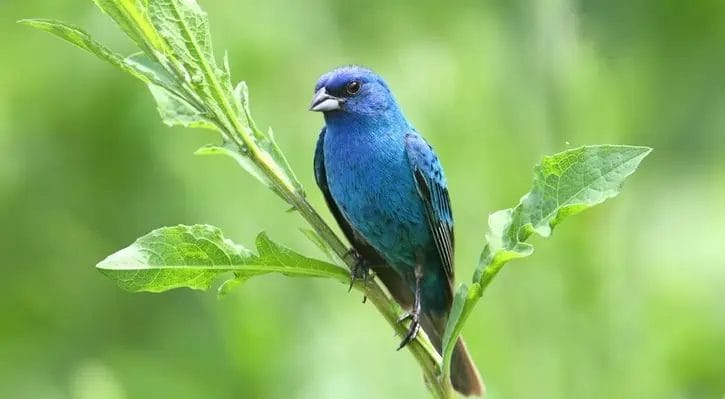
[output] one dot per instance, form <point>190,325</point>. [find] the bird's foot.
<point>413,315</point>
<point>359,271</point>
<point>412,330</point>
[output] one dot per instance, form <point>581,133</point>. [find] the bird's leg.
<point>414,314</point>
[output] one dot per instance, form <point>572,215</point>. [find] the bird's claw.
<point>413,315</point>
<point>412,330</point>
<point>359,271</point>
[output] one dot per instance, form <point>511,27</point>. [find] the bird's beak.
<point>323,102</point>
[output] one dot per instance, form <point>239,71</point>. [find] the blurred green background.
<point>626,301</point>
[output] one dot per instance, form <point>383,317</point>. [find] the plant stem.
<point>488,274</point>
<point>474,294</point>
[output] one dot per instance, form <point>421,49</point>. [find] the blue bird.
<point>386,189</point>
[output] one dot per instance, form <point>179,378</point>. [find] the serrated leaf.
<point>157,74</point>
<point>196,256</point>
<point>175,108</point>
<point>185,28</point>
<point>132,17</point>
<point>564,184</point>
<point>572,181</point>
<point>81,39</point>
<point>498,249</point>
<point>138,66</point>
<point>175,111</point>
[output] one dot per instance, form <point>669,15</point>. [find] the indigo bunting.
<point>386,189</point>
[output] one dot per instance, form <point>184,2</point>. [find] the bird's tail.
<point>464,375</point>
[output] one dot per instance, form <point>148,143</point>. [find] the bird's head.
<point>352,91</point>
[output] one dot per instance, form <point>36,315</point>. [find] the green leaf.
<point>564,184</point>
<point>459,301</point>
<point>185,28</point>
<point>81,39</point>
<point>499,250</point>
<point>196,256</point>
<point>174,106</point>
<point>175,111</point>
<point>572,181</point>
<point>156,73</point>
<point>463,303</point>
<point>138,66</point>
<point>132,17</point>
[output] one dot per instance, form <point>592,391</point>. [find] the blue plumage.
<point>386,188</point>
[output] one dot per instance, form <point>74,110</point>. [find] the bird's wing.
<point>394,283</point>
<point>431,185</point>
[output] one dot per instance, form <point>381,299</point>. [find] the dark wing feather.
<point>393,282</point>
<point>431,184</point>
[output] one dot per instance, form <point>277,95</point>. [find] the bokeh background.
<point>625,301</point>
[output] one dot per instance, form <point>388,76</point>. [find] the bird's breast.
<point>371,182</point>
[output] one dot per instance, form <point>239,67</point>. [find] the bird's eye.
<point>353,87</point>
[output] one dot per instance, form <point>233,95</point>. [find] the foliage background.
<point>625,302</point>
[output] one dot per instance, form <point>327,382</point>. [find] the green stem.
<point>488,274</point>
<point>473,295</point>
